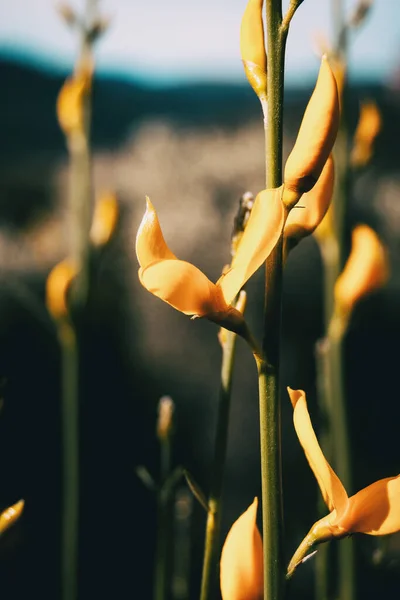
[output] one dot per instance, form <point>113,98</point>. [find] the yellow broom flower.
<point>57,286</point>
<point>105,219</point>
<point>315,139</point>
<point>375,510</point>
<point>366,269</point>
<point>185,287</point>
<point>369,126</point>
<point>252,47</point>
<point>10,515</point>
<point>302,221</point>
<point>241,567</point>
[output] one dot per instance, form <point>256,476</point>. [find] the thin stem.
<point>268,368</point>
<point>70,426</point>
<point>164,525</point>
<point>214,504</point>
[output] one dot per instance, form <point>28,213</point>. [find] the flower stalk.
<point>211,547</point>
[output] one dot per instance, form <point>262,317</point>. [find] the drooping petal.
<point>183,286</point>
<point>366,270</point>
<point>252,47</point>
<point>302,221</point>
<point>331,487</point>
<point>150,243</point>
<point>241,568</point>
<point>375,509</point>
<point>259,239</point>
<point>315,139</point>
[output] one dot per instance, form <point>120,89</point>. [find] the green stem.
<point>211,555</point>
<point>268,368</point>
<point>70,427</point>
<point>164,523</point>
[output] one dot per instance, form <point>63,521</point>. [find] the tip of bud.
<point>166,408</point>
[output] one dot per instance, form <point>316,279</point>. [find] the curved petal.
<point>331,487</point>
<point>316,135</point>
<point>182,285</point>
<point>241,568</point>
<point>366,269</point>
<point>375,509</point>
<point>150,243</point>
<point>302,221</point>
<point>260,237</point>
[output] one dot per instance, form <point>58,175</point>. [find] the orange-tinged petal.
<point>316,136</point>
<point>241,568</point>
<point>260,237</point>
<point>302,221</point>
<point>252,47</point>
<point>184,286</point>
<point>150,243</point>
<point>331,487</point>
<point>375,509</point>
<point>367,268</point>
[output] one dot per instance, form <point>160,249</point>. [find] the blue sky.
<point>189,40</point>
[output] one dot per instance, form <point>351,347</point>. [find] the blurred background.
<point>174,118</point>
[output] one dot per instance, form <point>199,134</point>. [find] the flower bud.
<point>315,139</point>
<point>369,126</point>
<point>104,219</point>
<point>57,286</point>
<point>166,409</point>
<point>252,47</point>
<point>9,516</point>
<point>70,110</point>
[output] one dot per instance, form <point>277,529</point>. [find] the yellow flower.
<point>185,287</point>
<point>315,139</point>
<point>302,221</point>
<point>369,126</point>
<point>70,101</point>
<point>375,510</point>
<point>241,568</point>
<point>10,515</point>
<point>252,47</point>
<point>105,219</point>
<point>366,269</point>
<point>57,286</point>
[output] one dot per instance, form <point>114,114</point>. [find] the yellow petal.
<point>57,285</point>
<point>252,47</point>
<point>104,219</point>
<point>303,221</point>
<point>150,243</point>
<point>369,125</point>
<point>375,509</point>
<point>331,487</point>
<point>367,268</point>
<point>9,516</point>
<point>241,569</point>
<point>183,286</point>
<point>262,232</point>
<point>316,137</point>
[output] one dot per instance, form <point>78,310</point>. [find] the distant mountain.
<point>28,122</point>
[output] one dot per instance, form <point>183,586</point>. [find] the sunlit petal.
<point>369,126</point>
<point>182,285</point>
<point>241,571</point>
<point>259,239</point>
<point>331,487</point>
<point>10,515</point>
<point>57,286</point>
<point>366,270</point>
<point>304,219</point>
<point>375,509</point>
<point>105,219</point>
<point>150,243</point>
<point>316,135</point>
